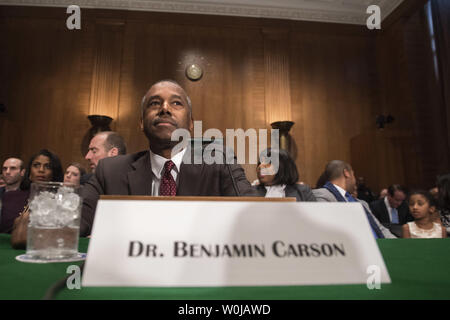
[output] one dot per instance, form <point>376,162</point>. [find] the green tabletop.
<point>419,269</point>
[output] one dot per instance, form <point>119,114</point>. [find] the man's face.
<point>396,200</point>
<point>11,171</point>
<point>165,110</point>
<point>350,180</point>
<point>96,151</point>
<point>361,181</point>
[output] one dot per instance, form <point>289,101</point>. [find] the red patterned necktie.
<point>168,187</point>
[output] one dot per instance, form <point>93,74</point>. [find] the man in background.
<point>364,192</point>
<point>339,187</point>
<point>103,145</point>
<point>11,196</point>
<point>392,209</point>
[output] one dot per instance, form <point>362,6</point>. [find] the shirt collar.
<point>386,202</point>
<point>341,191</point>
<point>275,191</point>
<point>157,162</point>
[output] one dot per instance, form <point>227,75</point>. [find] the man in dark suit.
<point>103,145</point>
<point>161,170</point>
<point>392,211</point>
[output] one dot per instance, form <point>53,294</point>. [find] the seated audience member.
<point>434,193</point>
<point>383,193</point>
<point>12,197</point>
<point>104,144</point>
<point>283,183</point>
<point>364,192</point>
<point>73,174</point>
<point>341,182</point>
<point>42,167</point>
<point>161,170</point>
<point>422,206</point>
<point>392,209</point>
<point>443,185</point>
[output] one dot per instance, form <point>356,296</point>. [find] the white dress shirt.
<point>341,191</point>
<point>389,208</point>
<point>276,191</point>
<point>157,162</point>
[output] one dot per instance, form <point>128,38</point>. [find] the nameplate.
<point>138,243</point>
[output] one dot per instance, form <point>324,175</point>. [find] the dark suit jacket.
<point>132,175</point>
<point>299,191</point>
<point>380,211</point>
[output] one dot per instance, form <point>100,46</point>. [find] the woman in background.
<point>443,185</point>
<point>42,167</point>
<point>73,174</point>
<point>283,182</point>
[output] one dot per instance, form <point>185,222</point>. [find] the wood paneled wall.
<point>324,77</point>
<point>411,93</point>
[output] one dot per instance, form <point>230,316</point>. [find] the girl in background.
<point>443,186</point>
<point>422,208</point>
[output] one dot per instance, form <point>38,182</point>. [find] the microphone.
<point>233,181</point>
<point>236,190</point>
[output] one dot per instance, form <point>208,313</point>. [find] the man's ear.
<point>191,125</point>
<point>346,173</point>
<point>22,172</point>
<point>113,152</point>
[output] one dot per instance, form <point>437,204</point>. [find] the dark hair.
<point>443,184</point>
<point>114,140</point>
<point>427,195</point>
<point>78,166</point>
<point>335,169</point>
<point>55,166</point>
<point>287,170</point>
<point>322,180</point>
<point>396,187</point>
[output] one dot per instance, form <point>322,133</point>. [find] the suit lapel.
<point>140,178</point>
<point>385,213</point>
<point>189,175</point>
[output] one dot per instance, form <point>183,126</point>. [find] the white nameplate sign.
<point>138,243</point>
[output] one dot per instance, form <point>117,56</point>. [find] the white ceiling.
<point>337,11</point>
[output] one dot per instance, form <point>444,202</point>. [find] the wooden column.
<point>106,74</point>
<point>277,77</point>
